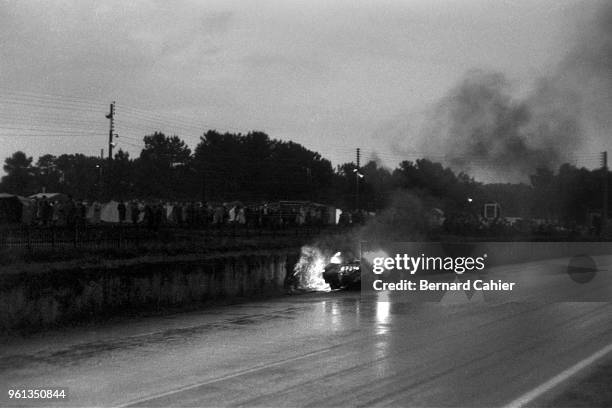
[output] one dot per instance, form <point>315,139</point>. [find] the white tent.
<point>27,216</point>
<point>93,216</point>
<point>168,208</point>
<point>109,212</point>
<point>14,208</point>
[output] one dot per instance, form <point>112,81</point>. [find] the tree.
<point>545,201</point>
<point>19,178</point>
<point>165,150</point>
<point>223,164</point>
<point>375,187</point>
<point>435,181</point>
<point>81,176</point>
<point>121,180</point>
<point>163,169</point>
<point>254,167</point>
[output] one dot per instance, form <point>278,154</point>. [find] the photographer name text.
<point>425,285</point>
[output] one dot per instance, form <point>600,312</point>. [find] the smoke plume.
<point>481,128</point>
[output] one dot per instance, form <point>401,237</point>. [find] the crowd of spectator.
<point>46,211</point>
<point>190,214</point>
<point>202,215</point>
<point>153,214</point>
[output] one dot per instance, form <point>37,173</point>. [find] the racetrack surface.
<point>321,349</point>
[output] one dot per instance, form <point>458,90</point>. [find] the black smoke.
<point>482,128</point>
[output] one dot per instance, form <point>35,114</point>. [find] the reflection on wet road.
<point>319,349</point>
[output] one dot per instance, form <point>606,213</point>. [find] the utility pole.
<point>111,144</point>
<point>111,131</point>
<point>357,175</point>
<point>99,168</point>
<point>604,211</point>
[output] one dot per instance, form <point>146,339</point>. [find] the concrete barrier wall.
<point>35,300</point>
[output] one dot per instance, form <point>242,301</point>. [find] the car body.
<point>343,272</point>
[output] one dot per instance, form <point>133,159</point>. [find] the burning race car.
<point>343,271</point>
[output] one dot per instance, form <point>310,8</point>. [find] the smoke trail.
<point>589,69</point>
<point>480,128</point>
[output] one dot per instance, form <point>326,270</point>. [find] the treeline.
<point>253,168</point>
<point>222,167</point>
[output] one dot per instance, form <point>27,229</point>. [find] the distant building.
<point>492,211</point>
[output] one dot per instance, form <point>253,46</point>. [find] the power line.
<point>50,96</point>
<point>111,131</point>
<point>76,115</point>
<point>49,106</point>
<point>129,143</point>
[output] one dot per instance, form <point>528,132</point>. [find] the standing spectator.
<point>58,213</point>
<point>232,215</point>
<point>37,212</point>
<point>121,209</point>
<point>82,212</point>
<point>71,211</point>
<point>200,214</point>
<point>241,217</point>
<point>149,216</point>
<point>344,219</point>
<point>178,213</point>
<point>159,212</point>
<point>249,214</point>
<point>207,214</point>
<point>310,216</point>
<point>190,214</point>
<point>218,215</point>
<point>46,211</point>
<point>301,216</point>
<point>134,212</point>
<point>97,212</point>
<point>265,222</point>
<point>173,213</point>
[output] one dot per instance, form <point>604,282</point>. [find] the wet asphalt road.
<point>321,349</point>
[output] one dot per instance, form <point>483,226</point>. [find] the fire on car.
<point>343,272</point>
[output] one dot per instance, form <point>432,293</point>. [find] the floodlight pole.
<point>604,210</point>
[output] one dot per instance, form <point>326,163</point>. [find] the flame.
<point>310,269</point>
<point>336,259</point>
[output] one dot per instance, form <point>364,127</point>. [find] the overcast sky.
<point>332,75</point>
